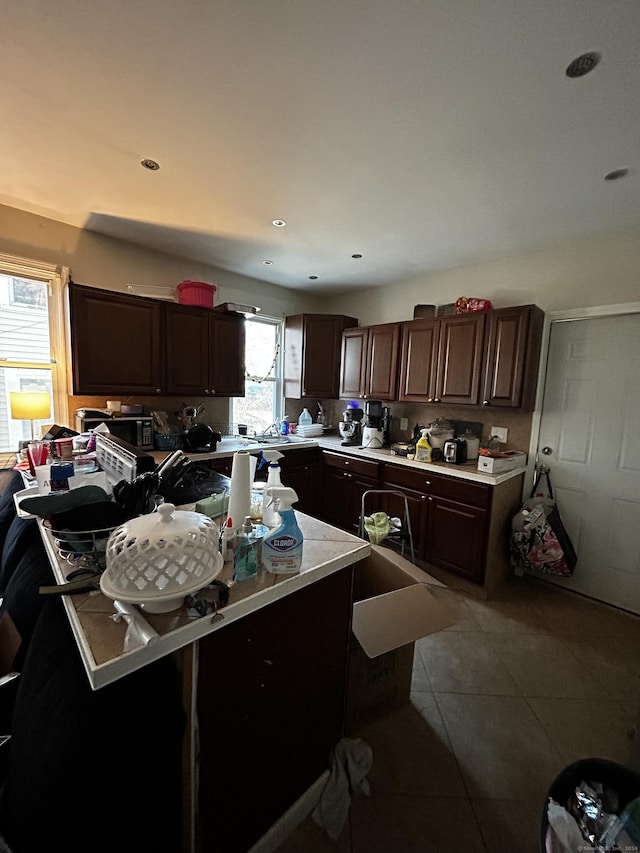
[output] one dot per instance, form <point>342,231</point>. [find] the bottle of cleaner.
<point>284,425</point>
<point>269,515</point>
<point>282,547</point>
<point>245,564</point>
<point>305,418</point>
<point>423,448</point>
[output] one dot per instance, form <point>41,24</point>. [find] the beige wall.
<point>599,270</point>
<point>113,264</point>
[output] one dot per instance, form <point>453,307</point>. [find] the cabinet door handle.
<point>158,390</point>
<point>485,402</point>
<point>346,461</point>
<point>436,399</point>
<point>430,400</point>
<point>346,474</point>
<point>427,482</point>
<point>429,498</point>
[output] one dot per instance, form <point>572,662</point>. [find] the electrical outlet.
<point>499,433</point>
<point>404,423</point>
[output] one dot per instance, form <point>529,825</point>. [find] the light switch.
<point>404,423</point>
<point>500,433</point>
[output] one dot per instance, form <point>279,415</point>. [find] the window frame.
<point>278,377</point>
<point>56,277</point>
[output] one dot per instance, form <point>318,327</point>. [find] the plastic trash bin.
<point>625,781</point>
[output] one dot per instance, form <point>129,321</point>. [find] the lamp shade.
<point>29,405</point>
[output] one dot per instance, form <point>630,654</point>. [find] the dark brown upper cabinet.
<point>369,364</point>
<point>442,359</point>
<point>115,342</point>
<point>123,344</point>
<point>204,352</point>
<point>514,337</point>
<point>312,354</point>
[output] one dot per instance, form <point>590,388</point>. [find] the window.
<point>32,356</point>
<point>262,404</point>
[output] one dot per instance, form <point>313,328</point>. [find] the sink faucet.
<point>274,429</point>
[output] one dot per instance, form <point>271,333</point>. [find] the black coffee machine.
<point>376,425</point>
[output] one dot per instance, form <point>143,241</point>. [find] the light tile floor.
<point>517,689</point>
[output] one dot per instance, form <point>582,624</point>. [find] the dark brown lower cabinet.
<point>449,518</point>
<point>270,699</point>
<point>300,471</point>
<point>345,479</point>
<point>455,538</point>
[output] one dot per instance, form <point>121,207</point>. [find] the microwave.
<point>137,430</point>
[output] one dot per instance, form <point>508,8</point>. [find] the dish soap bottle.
<point>423,448</point>
<point>245,564</point>
<point>305,418</point>
<point>284,425</point>
<point>282,547</point>
<point>269,515</point>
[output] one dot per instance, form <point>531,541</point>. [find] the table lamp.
<point>30,405</point>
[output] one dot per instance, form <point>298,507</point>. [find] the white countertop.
<point>101,640</point>
<point>468,471</point>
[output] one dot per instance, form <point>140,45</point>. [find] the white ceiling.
<point>421,134</point>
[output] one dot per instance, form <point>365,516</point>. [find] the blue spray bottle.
<point>282,547</point>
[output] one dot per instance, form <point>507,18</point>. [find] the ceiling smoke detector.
<point>582,65</point>
<point>267,263</point>
<point>279,223</point>
<point>150,164</point>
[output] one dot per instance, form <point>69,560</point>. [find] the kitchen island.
<point>263,684</point>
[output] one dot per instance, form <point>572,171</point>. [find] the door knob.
<point>547,451</point>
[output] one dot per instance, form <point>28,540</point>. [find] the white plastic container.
<point>305,418</point>
<point>156,559</point>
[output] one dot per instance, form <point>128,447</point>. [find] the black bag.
<point>538,537</point>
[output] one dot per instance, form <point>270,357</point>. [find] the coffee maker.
<point>376,425</point>
<point>350,427</point>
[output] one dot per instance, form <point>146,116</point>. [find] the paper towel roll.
<point>240,498</point>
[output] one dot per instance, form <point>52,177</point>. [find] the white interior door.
<point>590,439</point>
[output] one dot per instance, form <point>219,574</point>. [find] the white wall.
<point>598,270</point>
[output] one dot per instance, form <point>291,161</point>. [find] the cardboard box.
<point>424,311</point>
<point>500,464</point>
<point>393,608</point>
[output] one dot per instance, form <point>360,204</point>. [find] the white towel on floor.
<point>351,761</point>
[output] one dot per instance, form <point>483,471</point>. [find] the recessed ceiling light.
<point>267,263</point>
<point>582,65</point>
<point>150,164</point>
<point>616,174</point>
<point>356,256</point>
<point>313,276</point>
<point>279,223</point>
